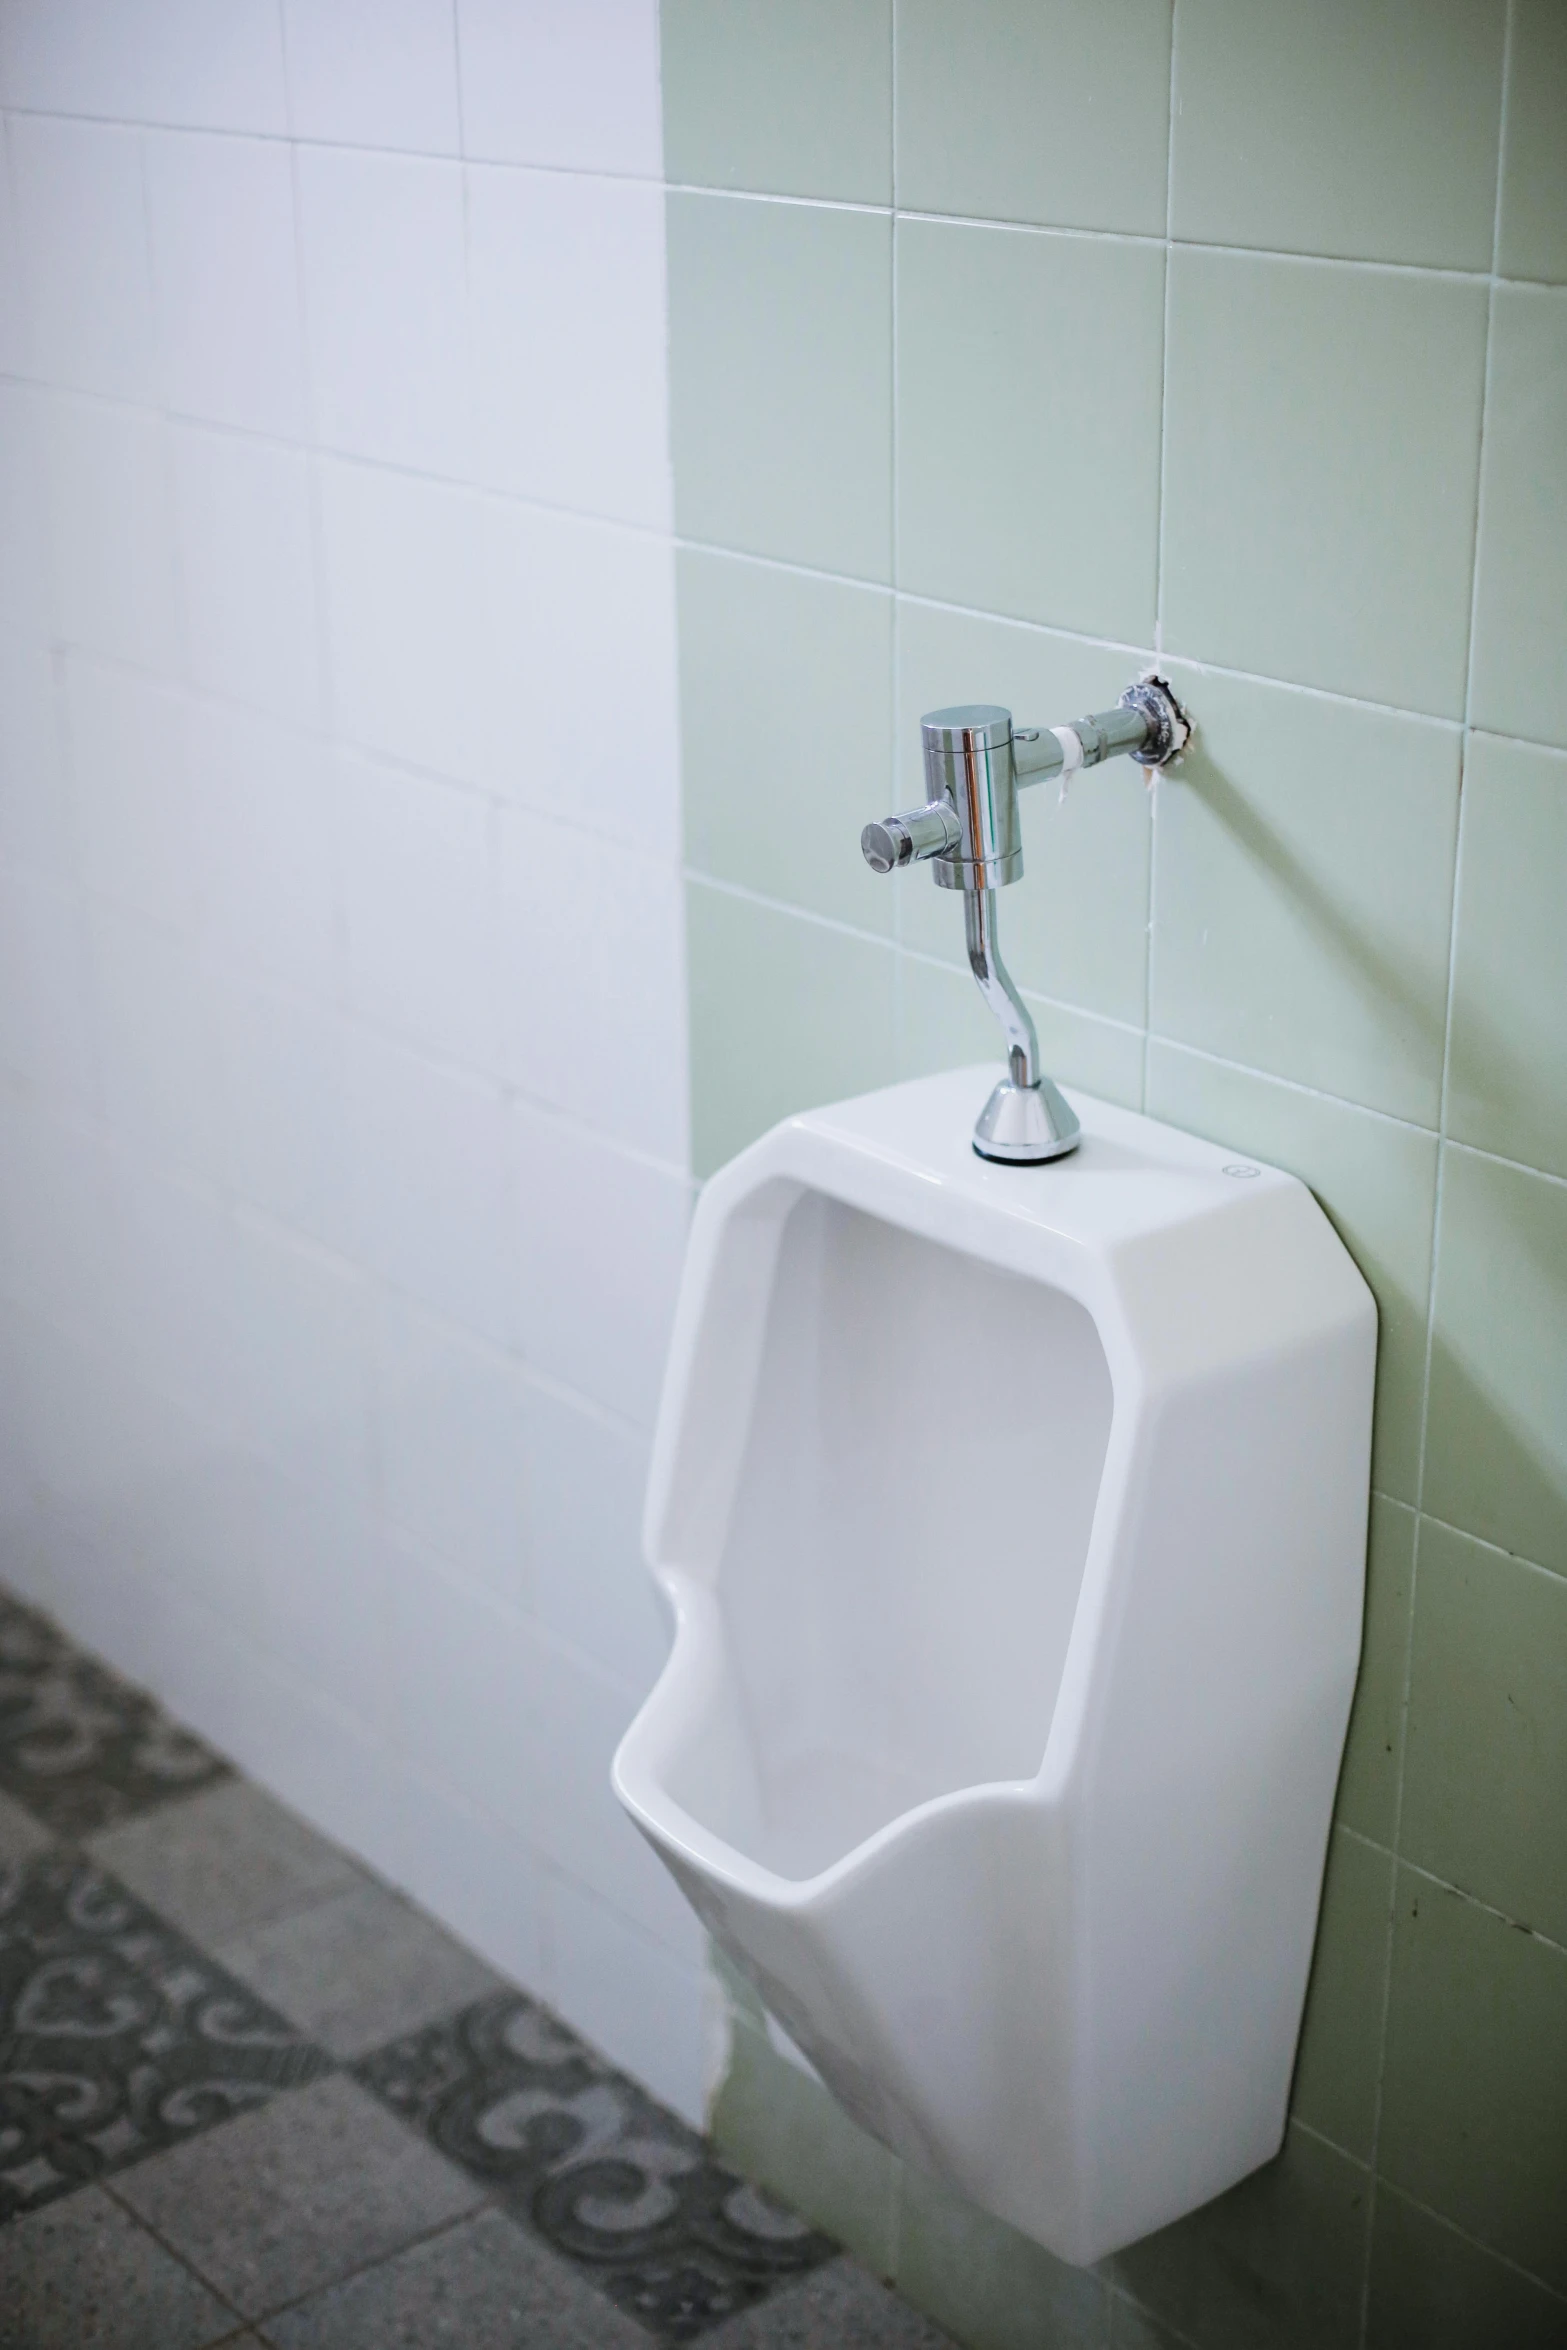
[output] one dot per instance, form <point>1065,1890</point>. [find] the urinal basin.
<point>1013,1521</point>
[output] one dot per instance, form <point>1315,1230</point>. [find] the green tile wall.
<point>1016,344</point>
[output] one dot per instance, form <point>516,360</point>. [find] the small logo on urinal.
<point>1239,1167</point>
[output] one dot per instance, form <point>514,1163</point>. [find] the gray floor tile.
<point>838,2308</point>
<point>282,2202</point>
<point>221,1862</point>
<point>623,2189</point>
<point>20,1833</point>
<point>481,2286</point>
<point>358,1970</point>
<point>119,2038</point>
<point>82,2275</point>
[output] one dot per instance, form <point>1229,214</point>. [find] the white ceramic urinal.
<point>1014,1522</point>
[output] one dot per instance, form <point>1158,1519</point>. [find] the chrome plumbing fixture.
<point>975,762</point>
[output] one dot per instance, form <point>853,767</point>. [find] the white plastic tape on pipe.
<point>1071,754</point>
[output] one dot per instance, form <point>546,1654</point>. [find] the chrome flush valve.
<point>975,763</point>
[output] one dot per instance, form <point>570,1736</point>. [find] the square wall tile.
<point>1520,647</point>
<point>601,1239</point>
<point>778,2126</point>
<point>1485,1768</point>
<point>780,354</point>
<point>1379,797</point>
<point>1077,928</point>
<point>591,1588</point>
<point>431,1188</point>
<point>46,1008</point>
<point>1028,455</point>
<point>420,917</point>
<point>1534,168</point>
<point>220,217</point>
<point>1366,132</point>
<point>138,812</point>
<point>785,1013</point>
<point>1377,1181</point>
<point>574,266</point>
<point>785,713</point>
<point>1431,2285</point>
<point>1335,2088</point>
<point>1475,2078</point>
<point>576,88</point>
<point>13,324</point>
<point>373,73</point>
<point>269,883</point>
<point>1277,2260</point>
<point>1006,107</point>
<point>470,634</point>
<point>381,245</point>
<point>790,101</point>
<point>614,918</point>
<point>285,1109</point>
<point>1303,887</point>
<point>111,541</point>
<point>1374,1746</point>
<point>451,1439</point>
<point>993,2287</point>
<point>157,1043</point>
<point>34,824</point>
<point>1318,516</point>
<point>1496,1442</point>
<point>169,61</point>
<point>1507,1075</point>
<point>465,1674</point>
<point>944,1023</point>
<point>81,227</point>
<point>247,571</point>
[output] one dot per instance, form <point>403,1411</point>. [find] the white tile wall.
<point>220,217</point>
<point>82,237</point>
<point>252,627</point>
<point>576,88</point>
<point>386,304</point>
<point>374,73</point>
<point>339,860</point>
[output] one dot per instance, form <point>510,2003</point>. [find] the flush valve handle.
<point>935,831</point>
<point>976,762</point>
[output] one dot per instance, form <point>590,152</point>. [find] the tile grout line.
<point>462,485</point>
<point>900,971</point>
<point>744,892</point>
<point>1433,1262</point>
<point>649,179</point>
<point>1196,662</point>
<point>1152,778</point>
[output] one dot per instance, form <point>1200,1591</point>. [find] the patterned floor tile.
<point>20,1833</point>
<point>482,2285</point>
<point>80,1748</point>
<point>117,2036</point>
<point>279,2204</point>
<point>84,2276</point>
<point>218,1863</point>
<point>611,2180</point>
<point>358,1970</point>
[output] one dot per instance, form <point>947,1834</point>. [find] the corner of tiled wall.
<point>337,724</point>
<point>1013,343</point>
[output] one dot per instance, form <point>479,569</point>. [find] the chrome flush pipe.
<point>976,761</point>
<point>997,987</point>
